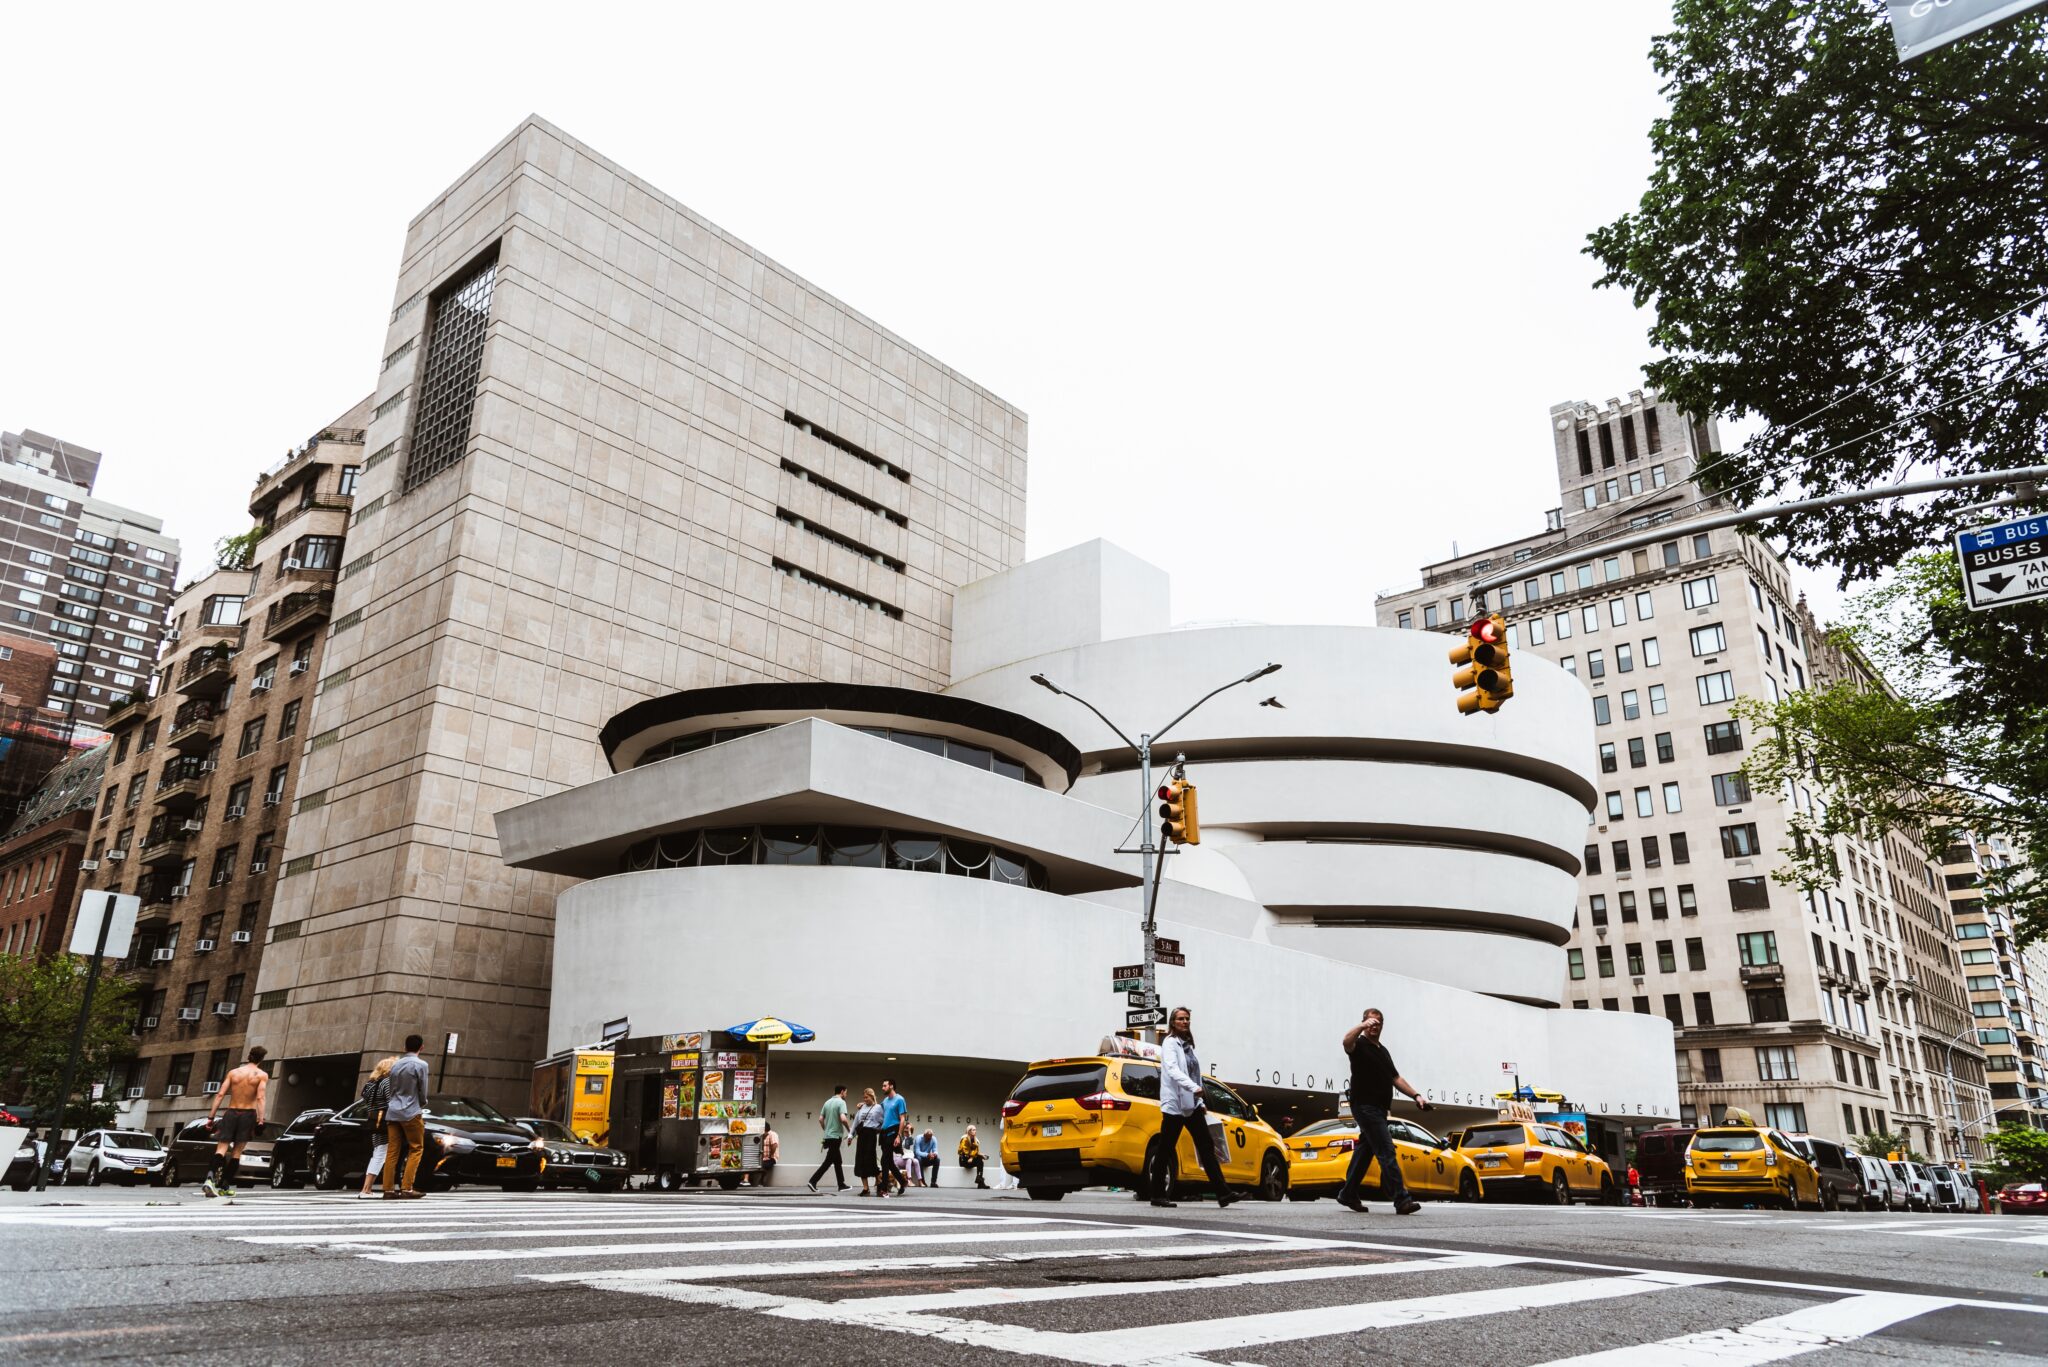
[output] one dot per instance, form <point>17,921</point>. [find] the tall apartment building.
<point>614,453</point>
<point>1831,1011</point>
<point>88,576</point>
<point>2001,982</point>
<point>199,783</point>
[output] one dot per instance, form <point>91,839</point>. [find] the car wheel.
<point>1468,1186</point>
<point>277,1180</point>
<point>667,1180</point>
<point>325,1177</point>
<point>1159,1178</point>
<point>94,1177</point>
<point>1828,1199</point>
<point>1609,1194</point>
<point>1272,1178</point>
<point>1560,1190</point>
<point>1046,1193</point>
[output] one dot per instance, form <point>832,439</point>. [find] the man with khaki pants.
<point>404,1121</point>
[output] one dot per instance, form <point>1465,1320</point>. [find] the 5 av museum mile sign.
<point>2005,564</point>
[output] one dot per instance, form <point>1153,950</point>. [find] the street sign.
<point>1136,997</point>
<point>1128,971</point>
<point>2004,564</point>
<point>1509,1069</point>
<point>1177,960</point>
<point>1923,25</point>
<point>1162,945</point>
<point>1127,984</point>
<point>117,910</point>
<point>1150,1016</point>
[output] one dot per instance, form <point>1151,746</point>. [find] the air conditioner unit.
<point>88,865</point>
<point>192,827</point>
<point>240,937</point>
<point>272,799</point>
<point>189,1013</point>
<point>212,1087</point>
<point>133,1093</point>
<point>292,563</point>
<point>116,856</point>
<point>223,1008</point>
<point>162,956</point>
<point>171,635</point>
<point>207,766</point>
<point>237,811</point>
<point>203,947</point>
<point>174,1090</point>
<point>260,685</point>
<point>177,893</point>
<point>150,1023</point>
<point>259,866</point>
<point>299,666</point>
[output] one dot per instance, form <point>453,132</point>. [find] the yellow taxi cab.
<point>1095,1121</point>
<point>1318,1155</point>
<point>1747,1163</point>
<point>1530,1157</point>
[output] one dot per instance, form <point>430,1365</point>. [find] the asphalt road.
<point>957,1276</point>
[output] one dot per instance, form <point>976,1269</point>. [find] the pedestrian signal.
<point>1482,660</point>
<point>1178,820</point>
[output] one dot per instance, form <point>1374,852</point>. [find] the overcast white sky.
<point>1286,292</point>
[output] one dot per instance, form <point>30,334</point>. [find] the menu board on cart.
<point>714,1085</point>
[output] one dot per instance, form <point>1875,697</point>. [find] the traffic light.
<point>1482,661</point>
<point>1178,819</point>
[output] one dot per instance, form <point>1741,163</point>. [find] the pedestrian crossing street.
<point>1082,1288</point>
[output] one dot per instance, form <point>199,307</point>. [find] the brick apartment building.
<point>41,852</point>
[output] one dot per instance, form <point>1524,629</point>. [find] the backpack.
<point>375,1093</point>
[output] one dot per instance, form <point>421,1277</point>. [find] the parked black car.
<point>574,1162</point>
<point>192,1152</point>
<point>291,1153</point>
<point>468,1140</point>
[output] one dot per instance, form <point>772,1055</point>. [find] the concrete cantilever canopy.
<point>815,771</point>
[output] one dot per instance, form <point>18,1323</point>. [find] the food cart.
<point>690,1106</point>
<point>574,1089</point>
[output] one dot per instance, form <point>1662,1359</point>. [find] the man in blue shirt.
<point>405,1121</point>
<point>894,1108</point>
<point>926,1152</point>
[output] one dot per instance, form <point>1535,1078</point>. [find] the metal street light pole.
<point>1148,889</point>
<point>1955,1109</point>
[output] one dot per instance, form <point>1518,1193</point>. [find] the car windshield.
<point>1063,1083</point>
<point>463,1108</point>
<point>1491,1136</point>
<point>1728,1141</point>
<point>1326,1127</point>
<point>551,1129</point>
<point>129,1139</point>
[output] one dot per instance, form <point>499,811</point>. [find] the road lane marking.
<point>983,1236</point>
<point>825,1267</point>
<point>593,1231</point>
<point>235,1224</point>
<point>1832,1324</point>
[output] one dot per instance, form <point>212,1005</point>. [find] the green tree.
<point>2022,1154</point>
<point>1850,249</point>
<point>39,1001</point>
<point>235,552</point>
<point>1879,1144</point>
<point>1925,753</point>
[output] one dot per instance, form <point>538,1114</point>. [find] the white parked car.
<point>1918,1184</point>
<point>1954,1191</point>
<point>1880,1190</point>
<point>125,1156</point>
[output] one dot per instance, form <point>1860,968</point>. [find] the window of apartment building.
<point>1749,894</point>
<point>135,789</point>
<point>1592,859</point>
<point>1614,806</point>
<point>1624,658</point>
<point>1603,958</point>
<point>223,865</point>
<point>1663,743</point>
<point>180,1075</point>
<point>1607,764</point>
<point>231,992</point>
<point>1786,1115</point>
<point>1577,960</point>
<point>1617,612</point>
<point>266,676</point>
<point>1766,1005</point>
<point>273,791</point>
<point>1777,1063</point>
<point>1700,593</point>
<point>1660,906</point>
<point>1645,804</point>
<point>1405,620</point>
<point>1602,712</point>
<point>1584,574</point>
<point>147,741</point>
<point>1723,737</point>
<point>1718,687</point>
<point>1646,606</point>
<point>1596,664</point>
<point>459,313</point>
<point>1703,1008</point>
<point>223,610</point>
<point>1590,496</point>
<point>1429,615</point>
<point>1635,960</point>
<point>1585,453</point>
<point>1556,582</point>
<point>1696,954</point>
<point>1841,1067</point>
<point>1631,705</point>
<point>1710,1063</point>
<point>1636,759</point>
<point>259,857</point>
<point>1589,618</point>
<point>1667,957</point>
<point>1596,908</point>
<point>1457,610</point>
<point>1658,705</point>
<point>1569,664</point>
<point>1730,790</point>
<point>252,737</point>
<point>1561,626</point>
<point>1688,903</point>
<point>1740,841</point>
<point>1708,640</point>
<point>1674,1011</point>
<point>346,484</point>
<point>238,800</point>
<point>1756,595</point>
<point>1671,798</point>
<point>1606,446</point>
<point>1535,626</point>
<point>288,721</point>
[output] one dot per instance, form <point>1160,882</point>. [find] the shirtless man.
<point>245,1096</point>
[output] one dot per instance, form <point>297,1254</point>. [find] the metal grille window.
<point>446,396</point>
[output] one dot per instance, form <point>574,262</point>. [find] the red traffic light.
<point>1165,791</point>
<point>1485,629</point>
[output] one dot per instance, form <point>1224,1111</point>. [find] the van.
<point>1919,1187</point>
<point>1660,1164</point>
<point>1841,1176</point>
<point>1880,1192</point>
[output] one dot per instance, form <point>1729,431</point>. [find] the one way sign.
<point>2005,564</point>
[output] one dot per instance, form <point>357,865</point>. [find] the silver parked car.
<point>1919,1186</point>
<point>127,1156</point>
<point>1880,1190</point>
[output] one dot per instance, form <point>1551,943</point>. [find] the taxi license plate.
<point>1308,1153</point>
<point>1730,1167</point>
<point>1491,1160</point>
<point>508,1162</point>
<point>1052,1130</point>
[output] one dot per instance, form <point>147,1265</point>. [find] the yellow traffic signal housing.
<point>1179,821</point>
<point>1483,674</point>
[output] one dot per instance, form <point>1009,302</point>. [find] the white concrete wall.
<point>1092,592</point>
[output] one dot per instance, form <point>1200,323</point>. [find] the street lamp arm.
<point>1046,683</point>
<point>1255,674</point>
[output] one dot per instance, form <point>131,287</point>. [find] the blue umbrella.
<point>770,1030</point>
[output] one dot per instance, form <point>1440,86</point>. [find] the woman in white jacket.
<point>1181,1108</point>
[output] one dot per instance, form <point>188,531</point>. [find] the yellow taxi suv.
<point>1319,1154</point>
<point>1530,1158</point>
<point>1094,1122</point>
<point>1740,1165</point>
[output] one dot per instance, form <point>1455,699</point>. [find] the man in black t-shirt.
<point>1374,1079</point>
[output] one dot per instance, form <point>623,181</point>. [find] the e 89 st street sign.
<point>2004,564</point>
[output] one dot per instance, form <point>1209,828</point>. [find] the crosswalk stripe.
<point>981,1236</point>
<point>563,1223</point>
<point>698,1272</point>
<point>1831,1324</point>
<point>381,1238</point>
